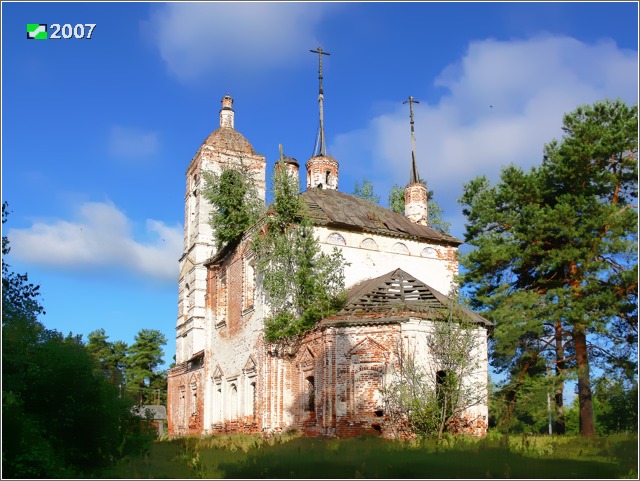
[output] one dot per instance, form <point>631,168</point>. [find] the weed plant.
<point>292,456</point>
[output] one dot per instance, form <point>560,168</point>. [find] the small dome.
<point>229,139</point>
<point>291,161</point>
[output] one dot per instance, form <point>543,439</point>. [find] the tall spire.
<point>415,194</point>
<point>415,178</point>
<point>320,147</point>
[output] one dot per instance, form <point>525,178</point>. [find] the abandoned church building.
<point>227,378</point>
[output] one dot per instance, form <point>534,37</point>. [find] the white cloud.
<point>100,237</point>
<point>196,38</point>
<point>130,142</point>
<point>502,102</point>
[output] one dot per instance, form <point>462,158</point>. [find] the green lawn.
<point>296,457</point>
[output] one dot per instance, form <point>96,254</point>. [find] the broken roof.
<point>397,293</point>
<point>332,208</point>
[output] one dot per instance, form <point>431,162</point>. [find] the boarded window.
<point>221,299</point>
<point>248,284</point>
<point>370,244</point>
<point>400,248</point>
<point>429,252</point>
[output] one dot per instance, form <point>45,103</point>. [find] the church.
<point>227,379</point>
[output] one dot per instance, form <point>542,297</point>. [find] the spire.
<point>415,178</point>
<point>415,194</point>
<point>320,147</point>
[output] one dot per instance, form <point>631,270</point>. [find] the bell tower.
<point>223,148</point>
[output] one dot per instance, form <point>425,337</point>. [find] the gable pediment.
<point>307,359</point>
<point>367,346</point>
<point>368,351</point>
<point>217,373</point>
<point>250,365</point>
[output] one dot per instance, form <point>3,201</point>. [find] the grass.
<point>290,456</point>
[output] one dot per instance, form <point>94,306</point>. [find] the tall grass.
<point>290,456</point>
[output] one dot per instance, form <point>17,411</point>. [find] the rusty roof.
<point>397,295</point>
<point>331,208</point>
<point>226,138</point>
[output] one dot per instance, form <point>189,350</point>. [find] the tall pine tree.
<point>145,355</point>
<point>555,262</point>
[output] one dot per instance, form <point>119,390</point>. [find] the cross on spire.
<point>414,168</point>
<point>320,147</point>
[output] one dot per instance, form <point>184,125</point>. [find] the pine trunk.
<point>560,427</point>
<point>587,427</point>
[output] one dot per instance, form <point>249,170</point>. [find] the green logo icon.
<point>37,31</point>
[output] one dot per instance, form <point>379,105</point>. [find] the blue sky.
<point>97,134</point>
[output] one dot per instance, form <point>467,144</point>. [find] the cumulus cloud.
<point>100,237</point>
<point>131,142</point>
<point>501,103</point>
<point>195,38</point>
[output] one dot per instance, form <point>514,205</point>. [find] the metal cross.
<point>320,53</point>
<point>414,169</point>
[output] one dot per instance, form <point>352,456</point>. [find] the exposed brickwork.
<point>185,399</point>
<point>415,203</point>
<point>322,172</point>
<point>327,384</point>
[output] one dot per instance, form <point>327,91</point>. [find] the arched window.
<point>233,401</point>
<point>400,248</point>
<point>182,406</point>
<point>369,243</point>
<point>194,398</point>
<point>429,252</point>
<point>248,283</point>
<point>252,397</point>
<point>336,239</point>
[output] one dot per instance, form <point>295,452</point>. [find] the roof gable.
<point>400,291</point>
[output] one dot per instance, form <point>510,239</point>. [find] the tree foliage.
<point>302,284</point>
<point>61,416</point>
<point>144,357</point>
<point>235,201</point>
<point>365,191</point>
<point>555,258</point>
<point>434,211</point>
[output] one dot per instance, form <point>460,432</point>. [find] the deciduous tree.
<point>302,284</point>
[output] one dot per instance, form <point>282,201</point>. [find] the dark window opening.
<point>379,413</point>
<point>311,394</point>
<point>444,386</point>
<point>327,177</point>
<point>253,400</point>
